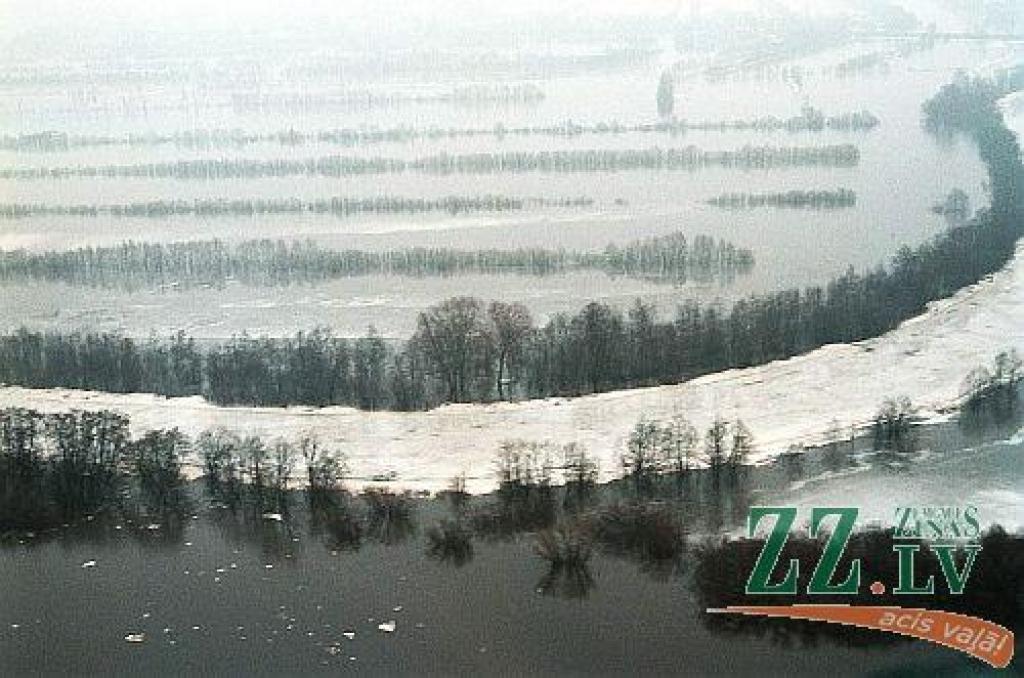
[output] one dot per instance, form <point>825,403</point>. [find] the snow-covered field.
<point>785,402</point>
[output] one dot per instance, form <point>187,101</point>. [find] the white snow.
<point>785,402</point>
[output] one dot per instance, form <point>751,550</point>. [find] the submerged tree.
<point>666,95</point>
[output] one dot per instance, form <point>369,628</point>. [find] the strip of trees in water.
<point>467,351</point>
<point>339,206</point>
<point>810,119</point>
<point>671,257</point>
<point>819,200</point>
<point>586,160</point>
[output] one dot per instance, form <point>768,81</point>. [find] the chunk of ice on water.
<point>388,626</point>
<point>135,637</point>
<point>88,564</point>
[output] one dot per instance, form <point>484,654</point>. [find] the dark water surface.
<point>236,593</point>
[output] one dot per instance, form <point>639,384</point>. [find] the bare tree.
<point>715,453</point>
<point>324,469</point>
<point>283,464</point>
<point>678,446</point>
<point>742,445</point>
<point>453,336</point>
<point>511,324</point>
<point>640,461</point>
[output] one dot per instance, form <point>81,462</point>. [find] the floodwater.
<point>902,172</point>
<point>226,594</point>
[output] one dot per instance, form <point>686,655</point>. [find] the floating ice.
<point>388,626</point>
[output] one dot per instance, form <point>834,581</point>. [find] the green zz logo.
<point>824,571</point>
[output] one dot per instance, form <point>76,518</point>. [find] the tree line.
<point>808,120</point>
<point>670,257</point>
<point>365,99</point>
<point>799,199</point>
<point>589,160</point>
<point>250,207</point>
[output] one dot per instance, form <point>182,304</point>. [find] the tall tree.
<point>453,336</point>
<point>511,325</point>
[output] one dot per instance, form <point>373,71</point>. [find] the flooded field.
<point>820,204</point>
<point>894,199</point>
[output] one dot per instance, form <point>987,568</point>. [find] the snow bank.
<point>784,402</point>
